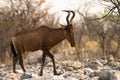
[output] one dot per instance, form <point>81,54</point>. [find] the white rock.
<point>77,65</point>
<point>88,71</point>
<point>49,64</point>
<point>60,71</point>
<point>104,62</point>
<point>99,63</point>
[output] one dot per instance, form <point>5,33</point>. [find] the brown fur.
<point>42,38</point>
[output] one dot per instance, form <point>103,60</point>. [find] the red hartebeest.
<point>42,38</point>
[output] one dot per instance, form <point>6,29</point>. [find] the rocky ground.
<point>85,69</point>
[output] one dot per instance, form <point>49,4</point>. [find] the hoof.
<point>14,71</point>
<point>56,74</point>
<point>24,70</point>
<point>40,74</point>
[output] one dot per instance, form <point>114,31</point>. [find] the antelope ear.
<point>62,25</point>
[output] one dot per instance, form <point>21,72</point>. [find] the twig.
<point>110,11</point>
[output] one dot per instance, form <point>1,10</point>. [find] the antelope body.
<point>42,38</point>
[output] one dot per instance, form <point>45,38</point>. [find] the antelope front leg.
<point>52,57</point>
<point>46,52</point>
<point>55,72</point>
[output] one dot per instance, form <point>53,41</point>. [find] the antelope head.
<point>69,28</point>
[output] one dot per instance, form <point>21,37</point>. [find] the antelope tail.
<point>13,50</point>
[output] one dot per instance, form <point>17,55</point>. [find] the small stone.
<point>110,58</point>
<point>49,64</point>
<point>84,77</point>
<point>26,76</point>
<point>94,78</point>
<point>104,62</point>
<point>117,68</point>
<point>77,65</point>
<point>13,76</point>
<point>60,71</point>
<point>99,63</point>
<point>88,71</point>
<point>69,68</point>
<point>93,74</point>
<point>113,64</point>
<point>67,75</point>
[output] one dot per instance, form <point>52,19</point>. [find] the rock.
<point>117,74</point>
<point>116,68</point>
<point>32,63</point>
<point>104,57</point>
<point>77,65</point>
<point>3,73</point>
<point>94,78</point>
<point>49,64</point>
<point>104,62</point>
<point>39,78</point>
<point>105,68</point>
<point>107,75</point>
<point>113,64</point>
<point>110,58</point>
<point>69,69</point>
<point>57,78</point>
<point>84,77</point>
<point>67,75</point>
<point>88,71</point>
<point>3,65</point>
<point>72,75</point>
<point>64,63</point>
<point>25,76</point>
<point>93,64</point>
<point>94,74</point>
<point>60,71</point>
<point>74,64</point>
<point>71,65</point>
<point>13,76</point>
<point>70,78</point>
<point>99,63</point>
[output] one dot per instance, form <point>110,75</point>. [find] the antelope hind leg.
<point>15,59</point>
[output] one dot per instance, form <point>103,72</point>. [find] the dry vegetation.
<point>94,38</point>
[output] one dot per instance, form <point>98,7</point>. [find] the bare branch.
<point>110,11</point>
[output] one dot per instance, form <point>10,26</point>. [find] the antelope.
<point>42,38</point>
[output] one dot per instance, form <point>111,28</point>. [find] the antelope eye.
<point>72,30</point>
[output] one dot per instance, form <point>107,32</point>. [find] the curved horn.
<point>72,16</point>
<point>67,18</point>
